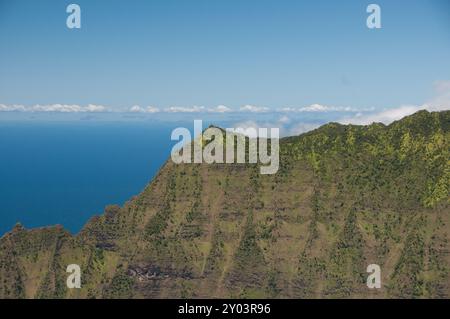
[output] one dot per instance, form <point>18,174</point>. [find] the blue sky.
<point>269,54</point>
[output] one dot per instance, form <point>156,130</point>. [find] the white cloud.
<point>439,102</point>
<point>385,116</point>
<point>283,124</point>
<point>73,108</point>
<point>287,109</point>
<point>254,109</point>
<point>315,108</point>
<point>151,109</point>
<point>319,108</point>
<point>66,108</point>
<point>248,128</point>
<point>12,108</point>
<point>136,109</point>
<point>182,109</point>
<point>148,109</point>
<point>220,109</point>
<point>95,108</point>
<point>284,120</point>
<point>63,108</point>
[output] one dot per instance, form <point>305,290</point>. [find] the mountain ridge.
<point>346,196</point>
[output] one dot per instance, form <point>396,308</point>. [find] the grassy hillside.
<point>344,197</point>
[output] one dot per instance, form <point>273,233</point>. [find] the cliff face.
<point>344,197</point>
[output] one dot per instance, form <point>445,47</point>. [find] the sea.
<point>64,173</point>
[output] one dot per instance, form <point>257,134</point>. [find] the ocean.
<point>64,173</point>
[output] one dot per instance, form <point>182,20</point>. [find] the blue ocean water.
<point>64,173</point>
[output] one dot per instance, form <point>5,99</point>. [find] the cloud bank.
<point>62,108</point>
<point>439,102</point>
<point>148,109</point>
<point>362,116</point>
<point>285,125</point>
<point>73,108</point>
<point>319,108</point>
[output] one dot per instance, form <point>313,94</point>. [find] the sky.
<point>246,57</point>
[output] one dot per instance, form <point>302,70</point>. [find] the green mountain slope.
<point>344,197</point>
